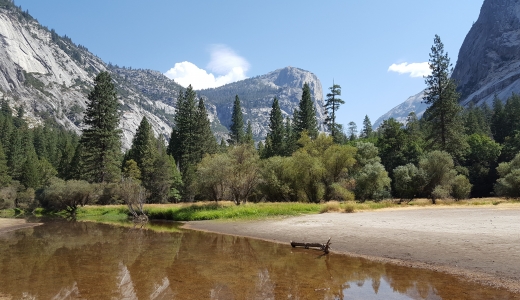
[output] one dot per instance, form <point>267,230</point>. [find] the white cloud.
<point>225,63</point>
<point>415,69</point>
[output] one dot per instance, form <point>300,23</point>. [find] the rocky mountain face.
<point>257,94</point>
<point>401,112</point>
<point>489,59</point>
<point>50,77</point>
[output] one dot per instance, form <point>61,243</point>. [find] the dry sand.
<point>479,244</point>
<point>7,225</point>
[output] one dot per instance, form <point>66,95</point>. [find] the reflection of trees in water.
<point>87,255</point>
<point>96,261</point>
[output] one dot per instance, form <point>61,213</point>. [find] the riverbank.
<point>8,225</point>
<point>480,244</point>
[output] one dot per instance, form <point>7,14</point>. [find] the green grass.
<point>213,211</point>
<point>108,213</point>
<point>226,210</point>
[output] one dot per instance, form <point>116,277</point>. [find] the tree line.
<point>450,152</point>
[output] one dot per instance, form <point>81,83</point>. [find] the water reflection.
<point>79,260</point>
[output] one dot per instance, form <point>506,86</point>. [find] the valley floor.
<point>480,244</point>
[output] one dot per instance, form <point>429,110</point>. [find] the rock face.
<point>257,94</point>
<point>50,77</point>
<point>401,111</point>
<point>489,58</point>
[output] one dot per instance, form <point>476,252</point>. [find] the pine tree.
<point>206,142</point>
<point>101,138</point>
<point>290,138</point>
<point>248,137</point>
<point>275,136</point>
<point>144,152</point>
<point>183,139</point>
<point>166,179</point>
<point>352,131</point>
<point>498,121</point>
<point>5,179</point>
<point>331,106</point>
<point>443,114</point>
<point>15,155</point>
<point>237,123</point>
<point>305,116</point>
<point>366,132</point>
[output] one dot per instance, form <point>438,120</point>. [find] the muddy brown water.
<point>83,260</point>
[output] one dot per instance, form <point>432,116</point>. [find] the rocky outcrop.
<point>50,76</point>
<point>489,58</point>
<point>401,111</point>
<point>256,95</point>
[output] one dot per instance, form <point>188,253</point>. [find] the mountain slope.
<point>50,77</point>
<point>489,59</point>
<point>256,95</point>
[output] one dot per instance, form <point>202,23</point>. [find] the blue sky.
<point>351,42</point>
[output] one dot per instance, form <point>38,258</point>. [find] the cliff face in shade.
<point>489,58</point>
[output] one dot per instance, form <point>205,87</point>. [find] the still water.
<point>82,260</point>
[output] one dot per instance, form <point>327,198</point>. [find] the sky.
<point>376,50</point>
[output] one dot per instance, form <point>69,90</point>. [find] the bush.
<point>508,184</point>
<point>372,182</point>
<point>461,187</point>
<point>440,174</point>
<point>409,181</point>
<point>7,197</point>
<point>331,206</point>
<point>26,199</point>
<point>440,192</point>
<point>340,192</point>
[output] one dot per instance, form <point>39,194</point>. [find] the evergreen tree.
<point>183,139</point>
<point>144,152</point>
<point>305,116</point>
<point>290,138</point>
<point>475,121</point>
<point>5,179</point>
<point>223,146</point>
<point>101,138</point>
<point>206,142</point>
<point>443,114</point>
<point>166,180</point>
<point>498,121</point>
<point>366,132</point>
<point>248,138</point>
<point>237,123</point>
<point>352,131</point>
<point>331,106</point>
<point>512,113</point>
<point>15,155</point>
<point>276,133</point>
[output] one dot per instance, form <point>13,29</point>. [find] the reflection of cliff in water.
<point>61,260</point>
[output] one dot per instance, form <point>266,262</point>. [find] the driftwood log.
<point>323,247</point>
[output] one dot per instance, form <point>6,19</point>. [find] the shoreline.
<point>478,244</point>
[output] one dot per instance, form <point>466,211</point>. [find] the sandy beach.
<point>480,244</point>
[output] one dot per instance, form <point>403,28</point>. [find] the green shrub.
<point>461,187</point>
